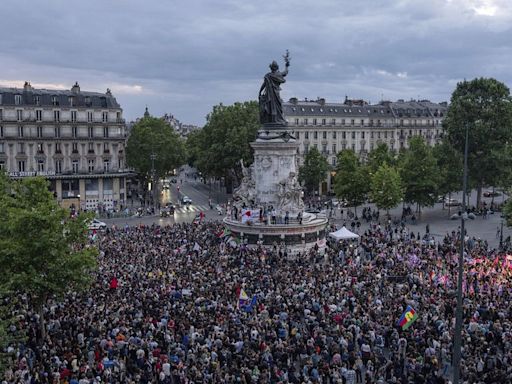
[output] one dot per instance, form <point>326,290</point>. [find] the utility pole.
<point>458,313</point>
<point>153,184</point>
<point>501,236</point>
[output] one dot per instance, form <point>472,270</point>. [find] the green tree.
<point>419,173</point>
<point>386,187</point>
<point>43,252</point>
<point>507,212</point>
<point>313,171</point>
<point>352,182</point>
<point>153,136</point>
<point>450,164</point>
<point>218,148</point>
<point>483,105</point>
<point>379,156</point>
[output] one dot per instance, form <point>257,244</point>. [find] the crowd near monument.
<point>268,205</point>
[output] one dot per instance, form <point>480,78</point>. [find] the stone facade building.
<point>357,125</point>
<point>73,138</point>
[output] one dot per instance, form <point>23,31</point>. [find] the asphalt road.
<point>197,191</point>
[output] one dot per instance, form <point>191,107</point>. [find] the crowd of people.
<point>166,307</point>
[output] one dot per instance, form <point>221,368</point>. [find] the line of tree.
<point>44,253</point>
<point>417,175</point>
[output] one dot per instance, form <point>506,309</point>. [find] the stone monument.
<point>267,206</point>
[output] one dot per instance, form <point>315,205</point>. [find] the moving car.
<point>96,224</point>
<point>451,202</point>
<point>186,200</point>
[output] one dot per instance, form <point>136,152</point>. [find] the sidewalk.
<point>439,222</point>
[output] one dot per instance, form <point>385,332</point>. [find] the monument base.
<point>294,236</point>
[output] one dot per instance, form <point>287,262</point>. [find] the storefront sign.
<point>31,174</point>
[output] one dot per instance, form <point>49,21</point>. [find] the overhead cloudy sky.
<point>184,57</point>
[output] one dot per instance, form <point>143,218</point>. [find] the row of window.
<point>370,123</point>
<point>377,134</point>
<point>55,101</point>
<point>75,166</point>
<point>20,114</point>
<point>58,148</point>
<point>57,132</point>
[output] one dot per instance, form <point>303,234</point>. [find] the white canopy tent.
<point>343,234</point>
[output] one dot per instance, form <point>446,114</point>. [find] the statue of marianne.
<point>271,105</point>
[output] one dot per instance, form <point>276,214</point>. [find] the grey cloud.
<point>188,56</point>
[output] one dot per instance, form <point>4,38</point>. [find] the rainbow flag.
<point>407,318</point>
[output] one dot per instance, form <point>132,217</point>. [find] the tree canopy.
<point>217,149</point>
<point>450,164</point>
<point>419,173</point>
<point>352,181</point>
<point>43,252</point>
<point>380,155</point>
<point>153,136</point>
<point>386,187</point>
<point>483,105</point>
<point>313,171</point>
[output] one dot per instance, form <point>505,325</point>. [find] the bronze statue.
<point>271,105</point>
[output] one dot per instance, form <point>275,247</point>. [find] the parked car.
<point>451,202</point>
<point>96,224</point>
<point>491,193</point>
<point>186,200</point>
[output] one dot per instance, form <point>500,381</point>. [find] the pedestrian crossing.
<point>192,208</point>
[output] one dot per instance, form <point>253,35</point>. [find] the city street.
<point>192,187</point>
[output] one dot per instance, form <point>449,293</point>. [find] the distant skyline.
<point>185,57</point>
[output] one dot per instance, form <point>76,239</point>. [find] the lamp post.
<point>153,185</point>
<point>501,236</point>
<point>458,314</point>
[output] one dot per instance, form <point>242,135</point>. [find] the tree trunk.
<point>478,196</point>
<point>449,205</point>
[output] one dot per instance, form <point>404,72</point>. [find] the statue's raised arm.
<point>271,105</point>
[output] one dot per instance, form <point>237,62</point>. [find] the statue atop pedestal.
<point>246,194</point>
<point>271,105</point>
<point>290,194</point>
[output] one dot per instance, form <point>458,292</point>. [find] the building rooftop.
<point>360,108</point>
<point>57,97</point>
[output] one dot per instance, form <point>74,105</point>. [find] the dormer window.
<point>55,101</point>
<point>17,99</point>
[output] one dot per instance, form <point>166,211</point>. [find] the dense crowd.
<point>165,308</point>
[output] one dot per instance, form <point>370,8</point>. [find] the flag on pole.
<point>243,299</point>
<point>407,318</point>
<point>225,232</point>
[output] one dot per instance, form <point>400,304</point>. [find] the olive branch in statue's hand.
<point>287,59</point>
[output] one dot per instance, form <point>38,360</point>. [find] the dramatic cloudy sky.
<point>183,57</point>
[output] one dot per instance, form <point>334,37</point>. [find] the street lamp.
<point>458,313</point>
<point>501,236</point>
<point>153,184</point>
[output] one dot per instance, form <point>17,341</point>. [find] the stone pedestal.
<point>273,162</point>
<point>271,184</point>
